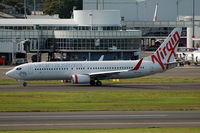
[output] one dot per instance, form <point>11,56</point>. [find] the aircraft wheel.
<point>92,82</point>
<point>99,83</point>
<point>181,64</point>
<point>24,84</point>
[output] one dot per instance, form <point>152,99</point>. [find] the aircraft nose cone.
<point>10,74</point>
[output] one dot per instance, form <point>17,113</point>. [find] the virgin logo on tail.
<point>164,53</point>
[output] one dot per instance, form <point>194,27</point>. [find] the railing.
<point>97,34</point>
<point>159,23</point>
<point>68,34</point>
<point>26,34</point>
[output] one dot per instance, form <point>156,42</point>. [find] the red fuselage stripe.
<point>76,78</point>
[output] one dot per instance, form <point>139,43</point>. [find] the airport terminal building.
<point>86,36</point>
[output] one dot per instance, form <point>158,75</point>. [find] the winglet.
<point>138,65</point>
<point>101,58</point>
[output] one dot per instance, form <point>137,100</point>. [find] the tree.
<point>67,8</point>
<point>17,4</point>
<point>62,7</point>
<point>51,7</point>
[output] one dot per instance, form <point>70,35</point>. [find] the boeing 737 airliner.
<point>91,72</point>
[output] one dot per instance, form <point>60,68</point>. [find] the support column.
<point>89,55</point>
<point>197,35</point>
<point>189,37</point>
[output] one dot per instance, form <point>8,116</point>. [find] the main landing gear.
<point>97,83</point>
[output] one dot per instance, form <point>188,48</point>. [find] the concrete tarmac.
<point>111,87</point>
<point>99,119</point>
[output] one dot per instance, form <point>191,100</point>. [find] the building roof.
<point>80,17</point>
<point>32,22</point>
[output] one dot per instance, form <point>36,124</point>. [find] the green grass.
<point>135,130</point>
<point>122,81</point>
<point>14,82</point>
<point>155,80</point>
<point>100,100</point>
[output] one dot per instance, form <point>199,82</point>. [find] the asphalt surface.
<point>102,119</point>
<point>111,87</point>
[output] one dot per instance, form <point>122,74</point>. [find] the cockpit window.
<point>19,68</point>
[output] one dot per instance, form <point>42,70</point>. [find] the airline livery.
<point>91,72</point>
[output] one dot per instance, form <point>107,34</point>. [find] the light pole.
<point>177,13</point>
<point>24,8</point>
<point>177,9</point>
<point>91,19</point>
<point>137,16</point>
<point>34,7</point>
<point>193,14</point>
<point>103,4</point>
<point>97,4</point>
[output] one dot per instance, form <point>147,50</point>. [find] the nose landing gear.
<point>25,84</point>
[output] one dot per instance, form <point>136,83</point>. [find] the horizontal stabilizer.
<point>170,63</point>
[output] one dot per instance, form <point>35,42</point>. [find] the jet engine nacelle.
<point>80,79</point>
<point>196,59</point>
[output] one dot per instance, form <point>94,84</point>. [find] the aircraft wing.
<point>108,74</point>
<point>104,75</point>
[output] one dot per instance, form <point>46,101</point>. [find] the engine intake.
<point>80,79</point>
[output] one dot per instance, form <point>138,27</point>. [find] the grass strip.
<point>155,80</point>
<point>14,82</point>
<point>134,130</point>
<point>128,100</point>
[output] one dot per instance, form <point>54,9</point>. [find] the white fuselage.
<point>65,70</point>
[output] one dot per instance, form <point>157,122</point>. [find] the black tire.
<point>181,64</point>
<point>92,83</point>
<point>24,84</point>
<point>98,83</point>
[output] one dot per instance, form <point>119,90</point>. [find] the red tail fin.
<point>155,13</point>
